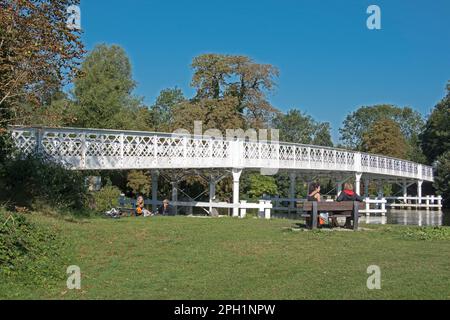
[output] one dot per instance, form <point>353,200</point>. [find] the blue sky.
<point>330,63</point>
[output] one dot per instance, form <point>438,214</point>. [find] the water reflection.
<point>411,217</point>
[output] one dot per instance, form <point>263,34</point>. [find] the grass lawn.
<point>225,258</point>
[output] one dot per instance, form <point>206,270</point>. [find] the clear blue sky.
<point>330,63</point>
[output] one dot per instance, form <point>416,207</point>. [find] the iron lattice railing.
<point>88,149</point>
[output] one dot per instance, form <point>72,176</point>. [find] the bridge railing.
<point>114,149</point>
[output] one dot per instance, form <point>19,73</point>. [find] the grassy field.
<point>224,258</point>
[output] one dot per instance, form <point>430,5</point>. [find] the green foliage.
<point>103,92</point>
<point>426,233</point>
<point>28,252</point>
<point>32,180</point>
<point>106,198</point>
<point>139,182</point>
<point>256,185</point>
<point>442,178</point>
<point>436,136</point>
<point>219,77</point>
<point>163,111</point>
<point>298,127</point>
<point>384,137</point>
<point>359,122</point>
<point>218,114</point>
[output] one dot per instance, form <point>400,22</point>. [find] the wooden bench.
<point>334,209</point>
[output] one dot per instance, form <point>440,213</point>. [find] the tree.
<point>357,123</point>
<point>385,137</point>
<point>38,53</point>
<point>103,92</point>
<point>139,182</point>
<point>214,113</point>
<point>256,185</point>
<point>435,139</point>
<point>298,127</point>
<point>218,76</point>
<point>162,113</point>
<point>442,178</point>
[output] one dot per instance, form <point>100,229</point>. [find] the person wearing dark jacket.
<point>348,195</point>
<point>166,209</point>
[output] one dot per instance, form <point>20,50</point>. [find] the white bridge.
<point>94,149</point>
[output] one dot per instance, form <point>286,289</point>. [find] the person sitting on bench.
<point>348,195</point>
<point>314,192</point>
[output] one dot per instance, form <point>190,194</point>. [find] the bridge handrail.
<point>227,153</point>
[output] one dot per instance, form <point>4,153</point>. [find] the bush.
<point>28,251</point>
<point>32,180</point>
<point>106,198</point>
<point>442,179</point>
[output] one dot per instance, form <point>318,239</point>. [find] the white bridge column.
<point>212,192</point>
<point>419,191</point>
<point>155,175</point>
<point>236,176</point>
<point>292,189</point>
<point>358,176</point>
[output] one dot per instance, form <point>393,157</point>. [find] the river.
<point>412,217</point>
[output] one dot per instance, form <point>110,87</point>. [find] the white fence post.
<point>367,206</point>
<point>243,208</point>
<point>267,209</point>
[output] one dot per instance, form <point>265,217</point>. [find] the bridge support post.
<point>212,193</point>
<point>292,189</point>
<point>366,187</point>
<point>419,191</point>
<point>155,176</point>
<point>358,176</point>
<point>175,196</point>
<point>338,188</point>
<point>405,190</point>
<point>380,189</point>
<point>236,177</point>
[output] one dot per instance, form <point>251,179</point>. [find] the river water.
<point>412,217</point>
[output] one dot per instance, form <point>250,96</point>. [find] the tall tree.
<point>162,113</point>
<point>435,139</point>
<point>298,127</point>
<point>357,123</point>
<point>218,77</point>
<point>103,92</point>
<point>385,137</point>
<point>38,53</point>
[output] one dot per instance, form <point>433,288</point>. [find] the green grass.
<point>192,258</point>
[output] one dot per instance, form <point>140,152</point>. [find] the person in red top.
<point>348,195</point>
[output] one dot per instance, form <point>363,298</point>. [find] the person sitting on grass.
<point>165,209</point>
<point>140,208</point>
<point>348,195</point>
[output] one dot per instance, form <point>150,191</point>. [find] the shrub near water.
<point>29,253</point>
